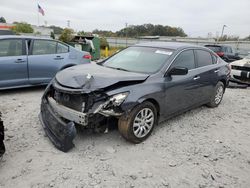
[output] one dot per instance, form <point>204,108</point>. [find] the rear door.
<point>13,63</point>
<point>45,59</point>
<point>206,72</point>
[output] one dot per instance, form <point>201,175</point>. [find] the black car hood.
<point>92,77</point>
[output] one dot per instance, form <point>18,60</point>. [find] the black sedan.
<point>138,87</point>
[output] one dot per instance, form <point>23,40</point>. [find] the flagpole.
<point>38,22</point>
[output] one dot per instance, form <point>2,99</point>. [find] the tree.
<point>52,35</point>
<point>149,30</point>
<point>103,43</point>
<point>22,27</point>
<point>229,38</point>
<point>247,38</point>
<point>81,33</point>
<point>2,20</point>
<point>67,35</point>
<point>57,30</point>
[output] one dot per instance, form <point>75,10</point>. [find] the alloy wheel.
<point>143,122</point>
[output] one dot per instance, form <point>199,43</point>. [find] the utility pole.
<point>68,23</point>
<point>222,31</point>
<point>126,30</point>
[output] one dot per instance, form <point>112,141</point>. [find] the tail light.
<point>87,56</point>
<point>220,54</point>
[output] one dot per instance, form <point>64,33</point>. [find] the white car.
<point>240,70</point>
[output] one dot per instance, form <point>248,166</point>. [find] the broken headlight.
<point>118,99</point>
<point>114,101</point>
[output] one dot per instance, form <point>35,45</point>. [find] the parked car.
<point>240,71</point>
<point>225,52</point>
<point>139,87</point>
<point>29,61</point>
<point>2,147</point>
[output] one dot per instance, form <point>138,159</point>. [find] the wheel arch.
<point>224,83</point>
<point>154,102</point>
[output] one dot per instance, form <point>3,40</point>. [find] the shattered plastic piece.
<point>60,134</point>
<point>2,147</point>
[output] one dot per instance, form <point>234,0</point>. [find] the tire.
<point>129,126</point>
<point>217,95</point>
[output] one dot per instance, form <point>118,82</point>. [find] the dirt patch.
<point>201,148</point>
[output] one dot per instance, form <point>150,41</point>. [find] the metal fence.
<point>241,47</point>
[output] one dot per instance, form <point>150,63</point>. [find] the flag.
<point>40,10</point>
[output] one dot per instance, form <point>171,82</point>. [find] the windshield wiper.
<point>118,68</point>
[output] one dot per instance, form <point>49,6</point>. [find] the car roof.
<point>168,45</point>
<point>22,37</point>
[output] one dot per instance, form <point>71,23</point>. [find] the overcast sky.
<point>196,17</point>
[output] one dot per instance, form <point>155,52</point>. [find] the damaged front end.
<point>2,147</point>
<point>64,108</point>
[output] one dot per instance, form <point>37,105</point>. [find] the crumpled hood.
<point>242,63</point>
<point>92,76</point>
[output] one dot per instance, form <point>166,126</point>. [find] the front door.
<point>181,91</point>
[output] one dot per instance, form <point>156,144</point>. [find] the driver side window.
<point>185,59</point>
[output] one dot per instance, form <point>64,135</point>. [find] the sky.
<point>196,17</point>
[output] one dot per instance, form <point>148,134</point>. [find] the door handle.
<point>58,58</point>
<point>217,70</point>
<point>196,77</point>
<point>20,61</point>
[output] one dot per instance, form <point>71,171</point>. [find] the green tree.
<point>103,43</point>
<point>150,29</point>
<point>81,33</point>
<point>67,35</point>
<point>57,30</point>
<point>2,20</point>
<point>52,35</point>
<point>247,38</point>
<point>22,27</point>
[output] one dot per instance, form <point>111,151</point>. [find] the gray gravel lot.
<point>202,148</point>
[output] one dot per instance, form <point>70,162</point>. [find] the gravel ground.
<point>201,148</point>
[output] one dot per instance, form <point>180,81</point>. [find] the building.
<point>5,29</point>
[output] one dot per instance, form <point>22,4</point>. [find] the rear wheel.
<point>217,95</point>
<point>139,123</point>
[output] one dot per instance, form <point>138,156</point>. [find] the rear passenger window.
<point>214,58</point>
<point>61,48</point>
<point>204,58</point>
<point>185,59</point>
<point>41,47</point>
<point>11,47</point>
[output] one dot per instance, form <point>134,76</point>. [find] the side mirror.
<point>177,71</point>
<point>236,54</point>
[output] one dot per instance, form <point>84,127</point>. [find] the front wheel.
<point>217,95</point>
<point>139,123</point>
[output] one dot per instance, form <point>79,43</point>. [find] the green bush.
<point>67,35</point>
<point>103,43</point>
<point>22,27</point>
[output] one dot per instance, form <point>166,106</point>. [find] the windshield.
<point>139,59</point>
